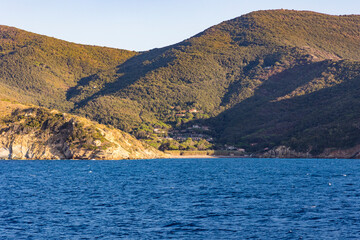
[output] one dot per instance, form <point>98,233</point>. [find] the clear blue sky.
<point>142,24</point>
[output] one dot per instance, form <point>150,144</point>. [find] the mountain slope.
<point>264,79</point>
<point>224,65</point>
<point>314,107</point>
<point>40,70</point>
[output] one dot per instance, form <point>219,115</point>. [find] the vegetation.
<point>41,70</point>
<point>312,109</point>
<point>264,79</point>
<point>29,132</point>
<point>42,121</point>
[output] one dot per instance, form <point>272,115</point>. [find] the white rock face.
<point>30,147</point>
<point>17,152</point>
<point>4,153</point>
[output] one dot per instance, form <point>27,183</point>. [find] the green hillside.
<point>315,106</point>
<point>264,79</point>
<point>225,64</point>
<point>40,70</point>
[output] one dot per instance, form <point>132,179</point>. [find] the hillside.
<point>314,107</point>
<point>40,70</point>
<point>265,79</point>
<point>222,66</point>
<point>38,133</point>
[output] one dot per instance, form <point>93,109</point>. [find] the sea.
<point>214,198</point>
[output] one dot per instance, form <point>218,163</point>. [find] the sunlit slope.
<point>29,132</point>
<point>263,79</point>
<point>219,67</point>
<point>42,69</point>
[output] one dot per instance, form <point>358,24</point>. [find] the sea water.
<point>181,199</point>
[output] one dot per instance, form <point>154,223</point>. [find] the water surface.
<point>181,199</point>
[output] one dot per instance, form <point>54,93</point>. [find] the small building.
<point>158,130</point>
<point>193,110</point>
<point>205,128</point>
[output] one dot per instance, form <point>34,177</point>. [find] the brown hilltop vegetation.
<point>38,133</point>
<point>40,70</point>
<point>262,80</point>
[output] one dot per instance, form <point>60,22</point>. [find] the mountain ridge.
<point>240,67</point>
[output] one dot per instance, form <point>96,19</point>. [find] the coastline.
<point>205,156</point>
<point>192,156</point>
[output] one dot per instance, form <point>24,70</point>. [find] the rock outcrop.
<point>283,152</point>
<point>287,152</point>
<point>353,152</point>
<point>38,133</point>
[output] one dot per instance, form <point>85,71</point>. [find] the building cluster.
<point>195,132</point>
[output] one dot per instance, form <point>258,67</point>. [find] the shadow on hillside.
<point>126,74</point>
<point>74,91</point>
<point>279,84</point>
<point>261,118</point>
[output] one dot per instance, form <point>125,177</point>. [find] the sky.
<point>142,24</point>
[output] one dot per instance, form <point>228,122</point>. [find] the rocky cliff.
<point>38,133</point>
<point>353,152</point>
<point>283,152</point>
<point>287,152</point>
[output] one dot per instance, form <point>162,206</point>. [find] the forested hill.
<point>264,79</point>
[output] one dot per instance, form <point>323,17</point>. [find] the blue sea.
<point>180,199</point>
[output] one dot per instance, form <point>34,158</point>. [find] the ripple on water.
<point>180,198</point>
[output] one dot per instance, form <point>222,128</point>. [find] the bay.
<point>181,199</point>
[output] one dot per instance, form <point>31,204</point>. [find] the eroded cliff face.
<point>353,152</point>
<point>38,133</point>
<point>287,152</point>
<point>284,152</point>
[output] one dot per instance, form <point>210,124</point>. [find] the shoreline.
<point>178,157</point>
<point>204,156</point>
